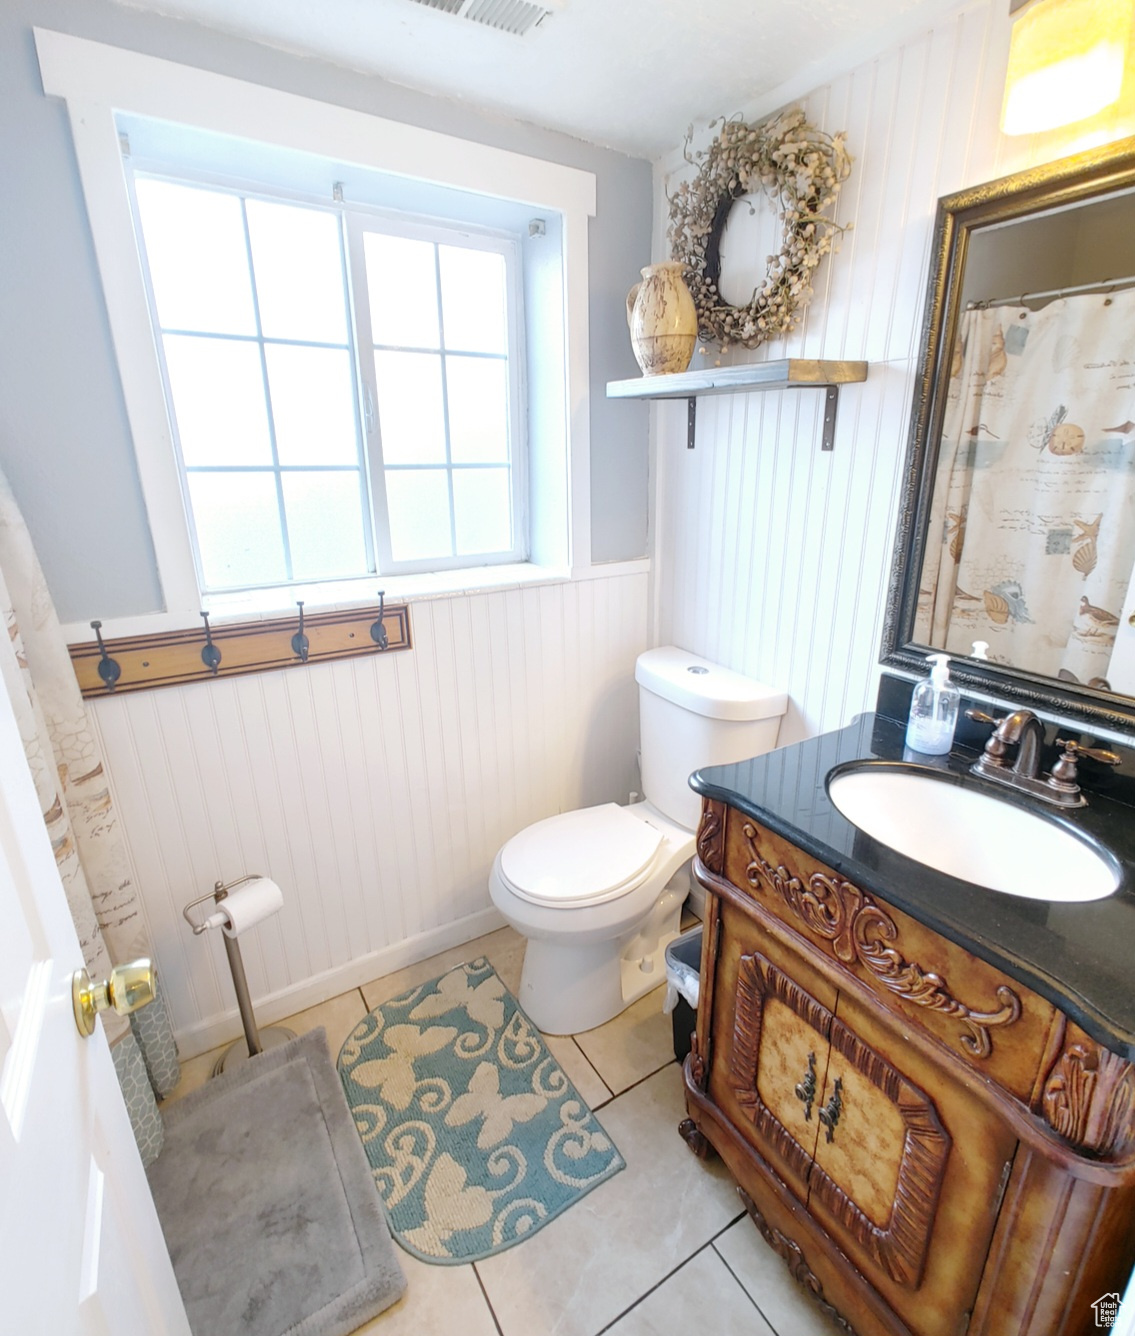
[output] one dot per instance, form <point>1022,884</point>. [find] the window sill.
<point>339,595</point>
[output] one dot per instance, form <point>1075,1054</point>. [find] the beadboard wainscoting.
<point>771,556</point>
<point>376,791</point>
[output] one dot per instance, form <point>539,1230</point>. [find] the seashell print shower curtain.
<point>75,799</point>
<point>1031,544</point>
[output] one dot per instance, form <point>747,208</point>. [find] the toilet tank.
<point>693,713</point>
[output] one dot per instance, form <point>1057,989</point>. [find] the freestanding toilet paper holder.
<point>255,1039</point>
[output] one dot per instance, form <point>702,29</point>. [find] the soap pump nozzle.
<point>981,650</point>
<point>940,668</point>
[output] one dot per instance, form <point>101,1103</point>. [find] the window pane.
<point>218,400</point>
<point>473,300</point>
<point>478,409</point>
<point>198,258</point>
<point>238,529</point>
<point>409,407</point>
<point>418,501</point>
<point>298,264</point>
<point>402,283</point>
<point>313,404</point>
<point>325,525</point>
<point>482,510</point>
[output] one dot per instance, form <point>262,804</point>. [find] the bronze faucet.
<point>1023,730</point>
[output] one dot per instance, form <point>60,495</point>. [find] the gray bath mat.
<point>267,1203</point>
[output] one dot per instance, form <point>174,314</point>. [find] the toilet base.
<point>567,988</point>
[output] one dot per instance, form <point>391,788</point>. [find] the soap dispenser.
<point>933,711</point>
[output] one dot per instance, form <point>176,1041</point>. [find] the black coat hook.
<point>300,643</point>
<point>109,669</point>
<point>210,654</point>
<point>377,630</point>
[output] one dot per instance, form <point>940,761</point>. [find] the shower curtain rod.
<point>1103,285</point>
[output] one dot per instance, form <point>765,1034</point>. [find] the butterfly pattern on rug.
<point>474,1135</point>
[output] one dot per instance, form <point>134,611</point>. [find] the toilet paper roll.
<point>247,905</point>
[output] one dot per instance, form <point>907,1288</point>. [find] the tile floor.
<point>661,1249</point>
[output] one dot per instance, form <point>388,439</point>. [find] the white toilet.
<point>598,892</point>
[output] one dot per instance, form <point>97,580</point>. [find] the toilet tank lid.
<point>706,688</point>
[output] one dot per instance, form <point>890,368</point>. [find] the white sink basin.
<point>972,835</point>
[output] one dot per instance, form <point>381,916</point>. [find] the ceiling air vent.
<point>515,16</point>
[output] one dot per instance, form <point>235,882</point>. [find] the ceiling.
<point>627,74</point>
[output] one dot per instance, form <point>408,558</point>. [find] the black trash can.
<point>683,976</point>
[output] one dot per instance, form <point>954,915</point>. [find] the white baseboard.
<point>224,1027</point>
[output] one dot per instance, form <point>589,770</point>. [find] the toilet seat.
<point>585,857</point>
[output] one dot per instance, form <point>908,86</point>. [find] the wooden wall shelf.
<point>790,373</point>
<point>174,657</point>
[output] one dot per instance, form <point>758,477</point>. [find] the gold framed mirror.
<point>1016,526</point>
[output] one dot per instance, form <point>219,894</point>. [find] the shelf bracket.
<point>831,402</point>
<point>692,421</point>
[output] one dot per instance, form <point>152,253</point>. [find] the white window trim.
<point>97,81</point>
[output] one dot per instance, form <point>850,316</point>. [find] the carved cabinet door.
<point>777,1064</point>
<point>880,1157</point>
<point>900,1164</point>
<point>908,1171</point>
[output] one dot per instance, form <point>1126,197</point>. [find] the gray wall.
<point>64,439</point>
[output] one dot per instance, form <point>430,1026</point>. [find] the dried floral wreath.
<point>801,170</point>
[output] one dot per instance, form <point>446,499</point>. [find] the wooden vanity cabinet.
<point>923,1176</point>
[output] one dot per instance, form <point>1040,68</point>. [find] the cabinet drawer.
<point>990,1021</point>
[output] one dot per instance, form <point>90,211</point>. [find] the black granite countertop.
<point>1079,956</point>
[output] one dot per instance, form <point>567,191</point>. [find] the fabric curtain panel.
<point>1032,537</point>
<point>74,793</point>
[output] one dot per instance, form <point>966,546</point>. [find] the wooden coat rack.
<point>171,658</point>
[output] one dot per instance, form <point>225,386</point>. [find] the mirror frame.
<point>1086,176</point>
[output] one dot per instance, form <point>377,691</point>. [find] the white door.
<point>81,1250</point>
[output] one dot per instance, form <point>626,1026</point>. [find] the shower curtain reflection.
<point>1031,542</point>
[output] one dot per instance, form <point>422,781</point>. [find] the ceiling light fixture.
<point>1066,60</point>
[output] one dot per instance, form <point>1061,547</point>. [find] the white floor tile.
<point>702,1296</point>
<point>577,1069</point>
<point>504,948</point>
<point>636,1043</point>
<point>194,1073</point>
<point>787,1306</point>
<point>338,1016</point>
<point>579,1273</point>
<point>439,1301</point>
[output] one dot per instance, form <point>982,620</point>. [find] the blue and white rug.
<point>475,1136</point>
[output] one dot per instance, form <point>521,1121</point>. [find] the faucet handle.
<point>996,748</point>
<point>1064,778</point>
<point>1074,750</point>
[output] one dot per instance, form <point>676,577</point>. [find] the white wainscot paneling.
<point>770,556</point>
<point>376,791</point>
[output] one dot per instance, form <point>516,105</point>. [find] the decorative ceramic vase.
<point>663,320</point>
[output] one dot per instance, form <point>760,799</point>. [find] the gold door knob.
<point>128,989</point>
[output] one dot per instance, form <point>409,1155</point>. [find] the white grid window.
<point>343,388</point>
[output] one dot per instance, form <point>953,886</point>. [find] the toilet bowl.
<point>598,892</point>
